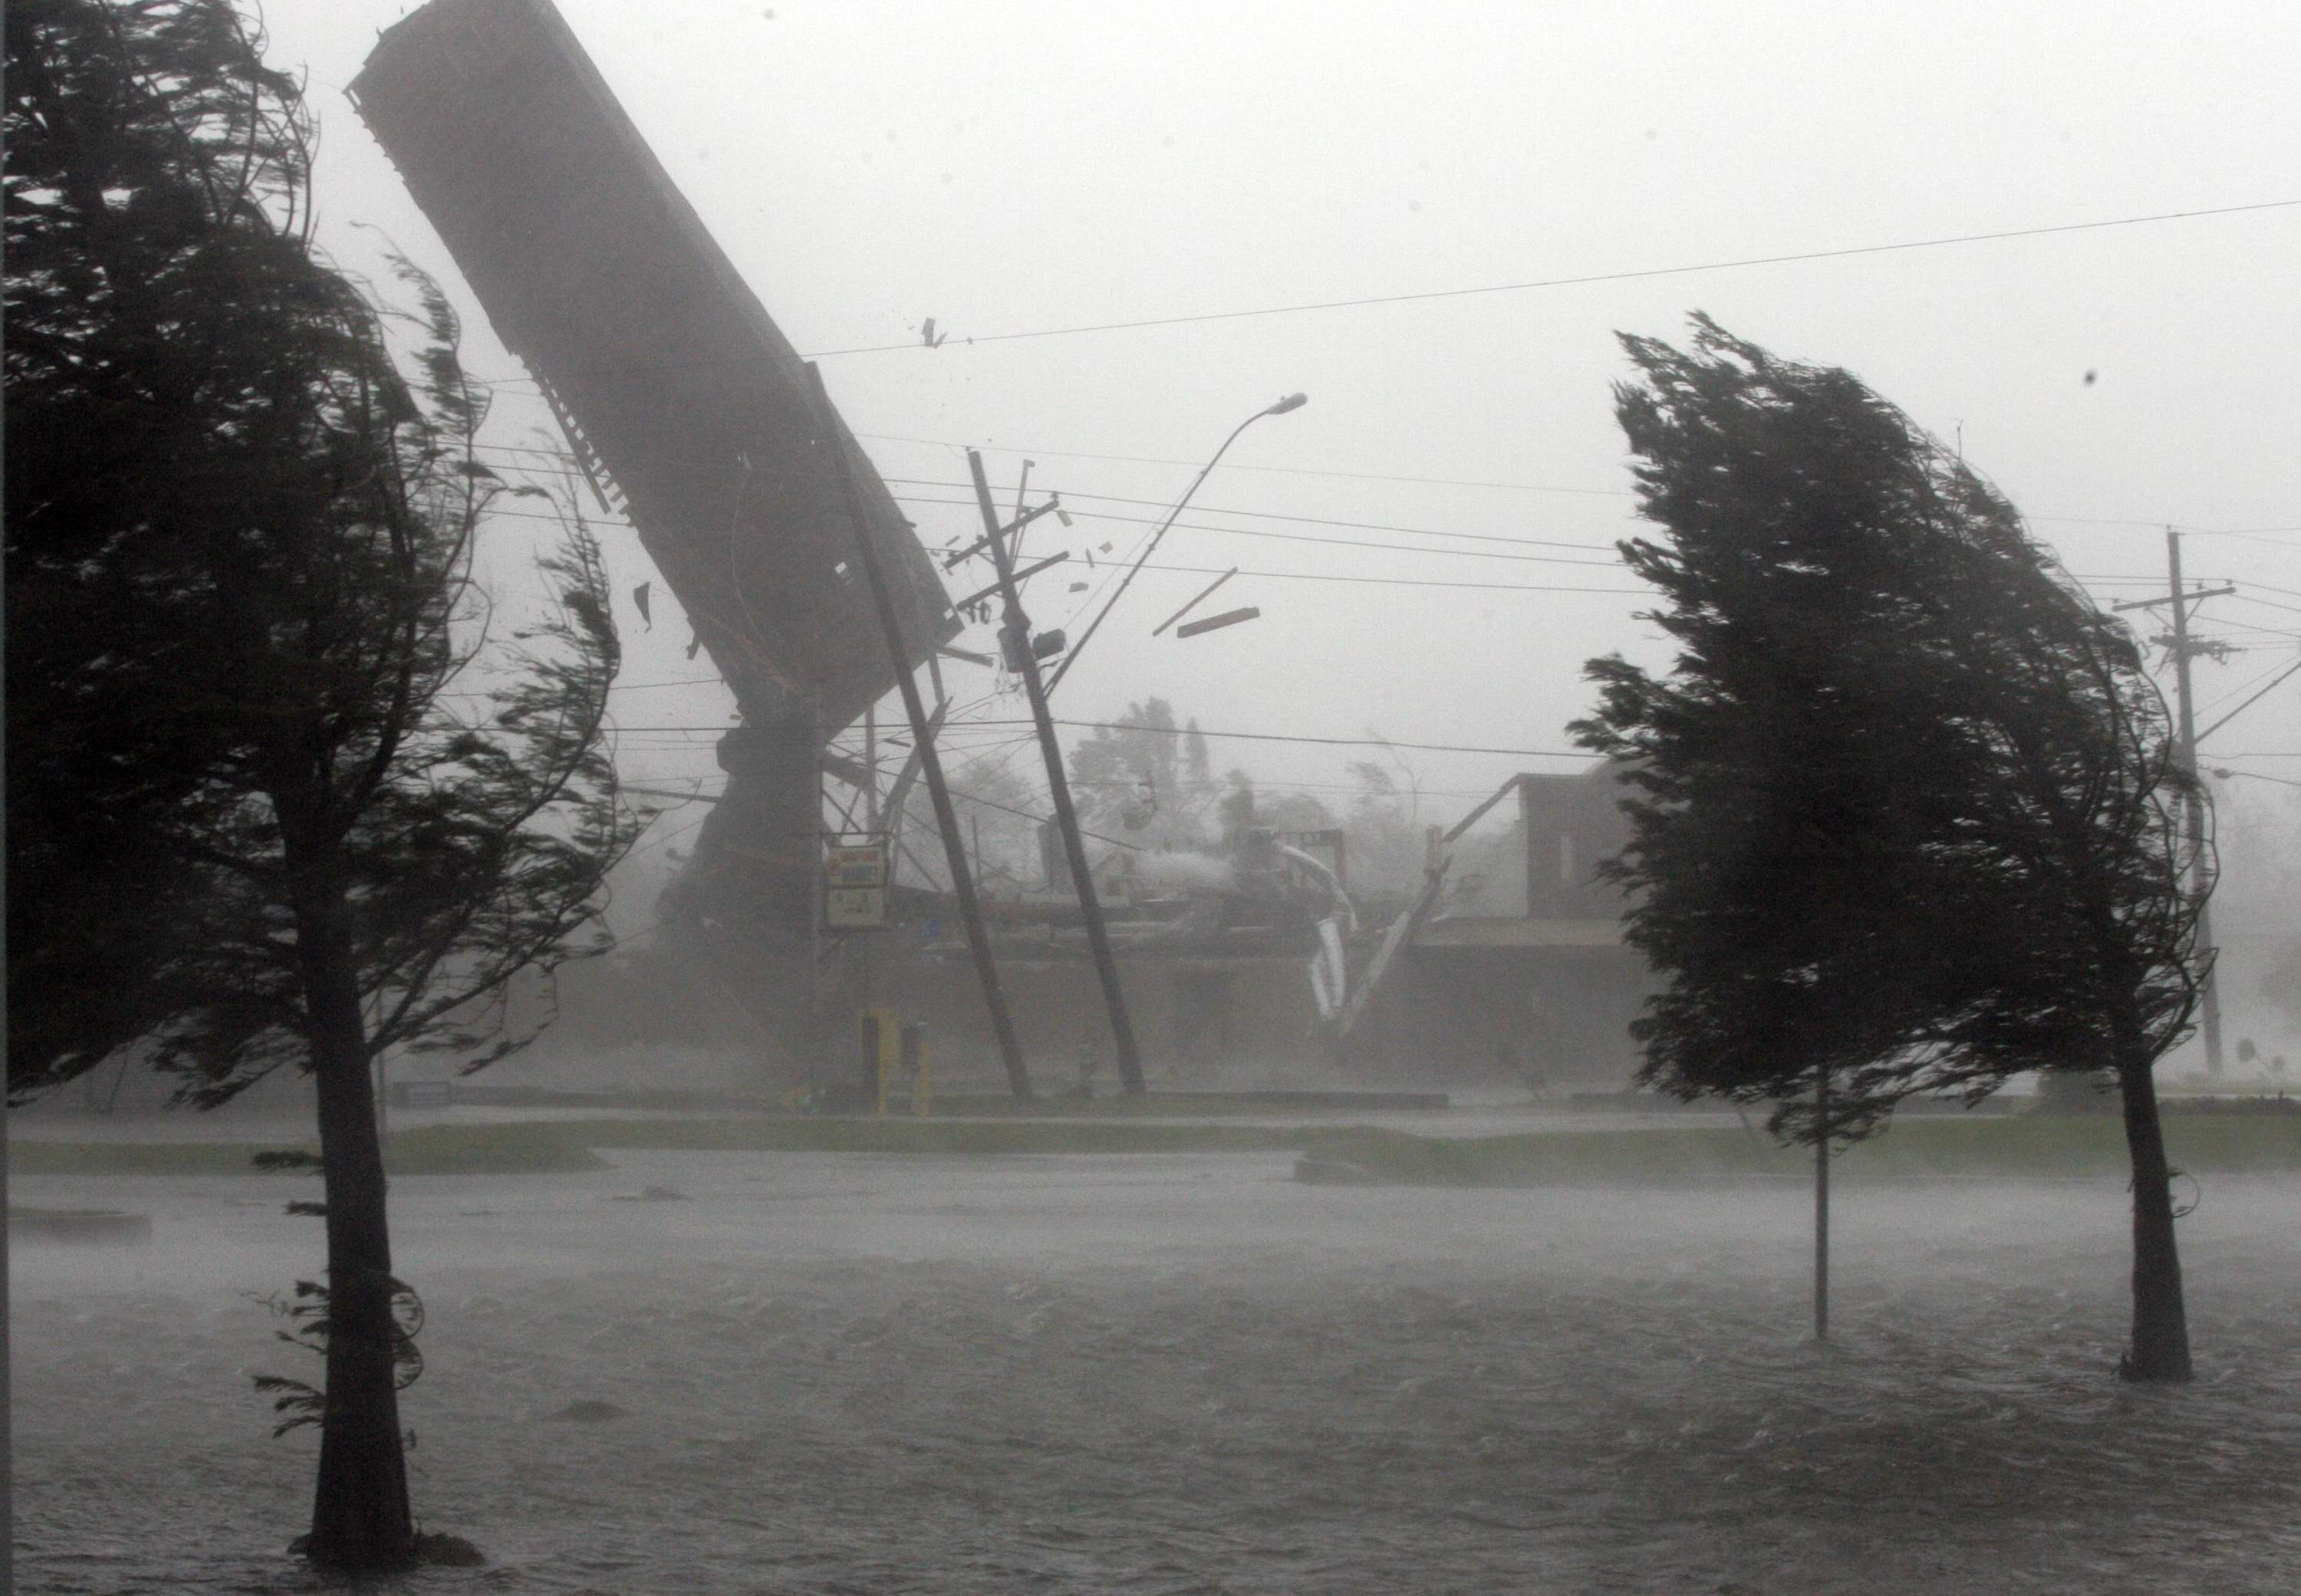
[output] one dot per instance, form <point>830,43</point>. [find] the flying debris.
<point>1144,809</point>
<point>640,599</point>
<point>1227,618</point>
<point>929,336</point>
<point>1204,594</point>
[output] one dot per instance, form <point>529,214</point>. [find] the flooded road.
<point>822,1373</point>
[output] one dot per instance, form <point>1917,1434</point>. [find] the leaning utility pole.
<point>2177,602</point>
<point>1015,636</point>
<point>923,735</point>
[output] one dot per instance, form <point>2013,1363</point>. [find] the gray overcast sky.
<point>1012,165</point>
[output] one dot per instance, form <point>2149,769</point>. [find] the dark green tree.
<point>246,654</point>
<point>1908,811</point>
<point>130,215</point>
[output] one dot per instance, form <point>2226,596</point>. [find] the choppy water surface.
<point>868,1375</point>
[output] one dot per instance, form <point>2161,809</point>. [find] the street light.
<point>1291,401</point>
<point>2220,774</point>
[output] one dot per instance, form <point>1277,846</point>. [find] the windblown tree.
<point>249,664</point>
<point>130,219</point>
<point>1388,855</point>
<point>1909,807</point>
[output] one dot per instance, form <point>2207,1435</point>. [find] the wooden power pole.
<point>2178,601</point>
<point>962,881</point>
<point>1015,636</point>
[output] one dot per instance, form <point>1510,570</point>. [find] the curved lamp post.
<point>1070,657</point>
<point>2222,774</point>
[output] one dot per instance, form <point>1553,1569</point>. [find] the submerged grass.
<point>2022,1146</point>
<point>533,1149</point>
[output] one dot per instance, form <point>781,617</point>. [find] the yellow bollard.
<point>915,1064</point>
<point>879,1038</point>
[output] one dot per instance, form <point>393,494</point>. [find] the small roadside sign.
<point>855,887</point>
<point>856,865</point>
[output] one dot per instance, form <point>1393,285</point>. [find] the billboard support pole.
<point>962,882</point>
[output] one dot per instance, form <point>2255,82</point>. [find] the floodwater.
<point>1186,1373</point>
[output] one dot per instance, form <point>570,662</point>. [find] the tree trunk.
<point>1821,1206</point>
<point>2161,1323</point>
<point>360,1514</point>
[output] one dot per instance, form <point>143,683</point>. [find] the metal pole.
<point>962,884</point>
<point>1291,401</point>
<point>1017,629</point>
<point>2210,995</point>
<point>821,1046</point>
<point>1822,1207</point>
<point>871,824</point>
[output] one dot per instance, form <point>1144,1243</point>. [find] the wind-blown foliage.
<point>147,190</point>
<point>241,613</point>
<point>1908,806</point>
<point>247,657</point>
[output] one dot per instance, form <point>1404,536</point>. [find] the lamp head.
<point>1291,401</point>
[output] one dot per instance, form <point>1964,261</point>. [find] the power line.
<point>2232,714</point>
<point>1561,283</point>
<point>1364,526</point>
<point>1405,581</point>
<point>570,472</point>
<point>1412,548</point>
<point>1345,742</point>
<point>1359,543</point>
<point>2266,603</point>
<point>635,368</point>
<point>1289,470</point>
<point>1260,785</point>
<point>1073,495</point>
<point>2284,666</point>
<point>1319,576</point>
<point>2156,523</point>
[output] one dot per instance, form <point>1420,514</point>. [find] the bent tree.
<point>1907,810</point>
<point>248,656</point>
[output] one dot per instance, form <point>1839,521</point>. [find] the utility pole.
<point>1015,636</point>
<point>2178,601</point>
<point>962,882</point>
